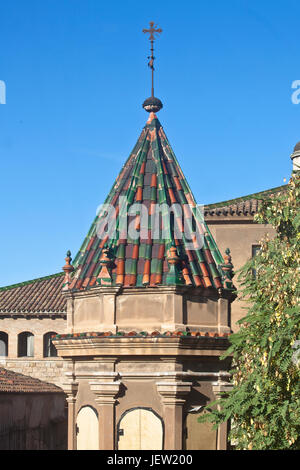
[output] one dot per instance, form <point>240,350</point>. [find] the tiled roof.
<point>150,175</point>
<point>13,382</point>
<point>242,206</point>
<point>39,296</point>
<point>143,334</point>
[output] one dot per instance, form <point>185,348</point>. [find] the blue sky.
<point>76,75</point>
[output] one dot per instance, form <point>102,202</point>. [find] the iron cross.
<point>152,31</point>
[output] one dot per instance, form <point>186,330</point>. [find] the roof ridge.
<point>245,198</point>
<point>24,283</point>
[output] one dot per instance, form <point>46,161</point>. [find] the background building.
<point>33,414</point>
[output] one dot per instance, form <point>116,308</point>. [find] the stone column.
<point>223,315</point>
<point>39,346</point>
<point>109,310</point>
<point>173,310</point>
<point>219,388</point>
<point>71,388</point>
<point>12,346</point>
<point>173,398</point>
<point>106,392</point>
<point>70,311</point>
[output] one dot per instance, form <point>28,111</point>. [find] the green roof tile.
<point>150,174</point>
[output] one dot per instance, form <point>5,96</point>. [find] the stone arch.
<point>140,428</point>
<point>3,343</point>
<point>87,428</point>
<point>49,350</point>
<point>25,344</point>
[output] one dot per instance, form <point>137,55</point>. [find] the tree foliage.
<point>264,403</point>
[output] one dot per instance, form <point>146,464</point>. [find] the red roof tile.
<point>243,206</point>
<point>13,382</point>
<point>122,334</point>
<point>39,296</point>
<point>150,175</point>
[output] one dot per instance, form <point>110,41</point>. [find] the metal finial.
<point>152,31</point>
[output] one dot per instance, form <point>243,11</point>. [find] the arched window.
<point>3,344</point>
<point>87,429</point>
<point>26,344</point>
<point>199,436</point>
<point>140,429</point>
<point>49,348</point>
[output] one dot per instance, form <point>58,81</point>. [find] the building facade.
<point>133,330</point>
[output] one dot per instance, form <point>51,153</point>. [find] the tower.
<point>295,157</point>
<point>148,310</point>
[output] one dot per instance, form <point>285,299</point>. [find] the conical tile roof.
<point>151,177</point>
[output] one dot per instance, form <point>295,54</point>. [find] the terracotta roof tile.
<point>156,333</point>
<point>150,175</point>
<point>243,206</point>
<point>13,382</point>
<point>39,296</point>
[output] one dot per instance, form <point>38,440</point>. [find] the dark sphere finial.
<point>152,105</point>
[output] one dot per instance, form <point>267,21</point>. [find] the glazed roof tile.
<point>242,206</point>
<point>39,296</point>
<point>143,334</point>
<point>150,175</point>
<point>13,382</point>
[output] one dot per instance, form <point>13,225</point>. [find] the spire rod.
<point>152,31</point>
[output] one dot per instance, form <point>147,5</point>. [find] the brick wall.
<point>48,369</point>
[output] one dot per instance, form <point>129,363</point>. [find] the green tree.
<point>264,403</point>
